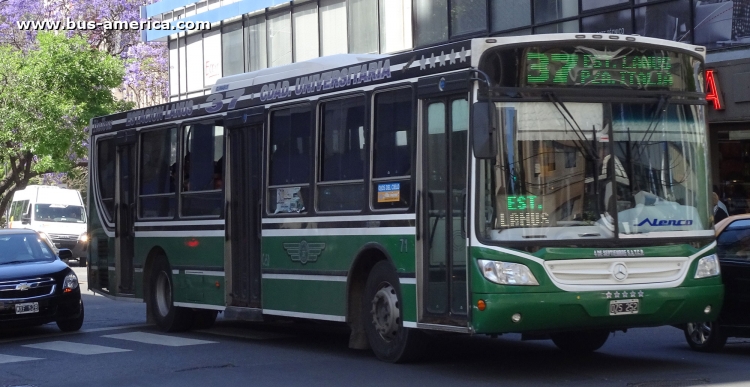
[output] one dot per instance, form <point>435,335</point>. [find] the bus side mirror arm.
<point>483,130</point>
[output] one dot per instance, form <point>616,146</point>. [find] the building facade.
<point>249,35</point>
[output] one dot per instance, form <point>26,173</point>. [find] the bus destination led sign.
<point>588,67</point>
<point>523,211</point>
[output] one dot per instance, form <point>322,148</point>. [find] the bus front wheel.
<point>168,317</point>
<point>382,317</point>
<point>580,341</point>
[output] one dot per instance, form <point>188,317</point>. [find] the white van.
<point>58,212</point>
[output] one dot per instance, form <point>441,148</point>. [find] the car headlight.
<point>70,283</point>
<point>83,237</point>
<point>708,266</point>
<point>507,273</point>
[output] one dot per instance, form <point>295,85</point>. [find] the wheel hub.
<point>699,332</point>
<point>385,313</point>
<point>163,294</point>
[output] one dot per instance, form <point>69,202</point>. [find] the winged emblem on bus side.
<point>304,252</point>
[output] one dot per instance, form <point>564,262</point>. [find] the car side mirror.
<point>65,254</point>
<point>483,130</point>
<point>26,220</point>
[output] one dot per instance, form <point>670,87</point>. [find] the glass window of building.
<point>256,43</point>
<point>233,60</point>
<point>212,65</point>
<point>279,39</point>
<point>364,26</point>
<point>558,28</point>
<point>549,10</point>
<point>618,22</point>
<point>182,49</point>
<point>305,19</point>
<point>333,33</point>
<point>195,62</point>
<point>174,74</point>
<point>431,18</point>
<point>587,5</point>
<point>468,16</point>
<point>505,14</point>
<point>665,21</point>
<point>395,25</point>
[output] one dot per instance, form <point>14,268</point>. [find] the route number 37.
<point>217,100</point>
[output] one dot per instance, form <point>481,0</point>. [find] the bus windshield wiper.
<point>586,149</point>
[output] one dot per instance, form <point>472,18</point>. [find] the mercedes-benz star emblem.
<point>620,271</point>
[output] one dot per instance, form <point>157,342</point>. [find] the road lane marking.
<point>15,359</point>
<point>150,338</point>
<point>76,348</point>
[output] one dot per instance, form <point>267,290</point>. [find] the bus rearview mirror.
<point>483,131</point>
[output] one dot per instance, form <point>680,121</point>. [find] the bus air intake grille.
<point>617,271</point>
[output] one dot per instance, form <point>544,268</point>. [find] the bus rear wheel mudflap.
<point>705,336</point>
<point>382,318</point>
<point>167,316</point>
<point>580,341</point>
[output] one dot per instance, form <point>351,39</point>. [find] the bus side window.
<point>392,149</point>
<point>202,153</point>
<point>342,141</point>
<point>158,155</point>
<point>289,160</point>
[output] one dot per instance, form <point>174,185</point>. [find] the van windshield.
<point>59,213</point>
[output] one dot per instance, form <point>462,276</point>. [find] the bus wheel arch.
<point>366,259</point>
<point>159,291</point>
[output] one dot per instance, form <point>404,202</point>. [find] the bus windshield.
<point>596,171</point>
<point>59,213</point>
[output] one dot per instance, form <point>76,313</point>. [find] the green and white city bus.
<point>551,185</point>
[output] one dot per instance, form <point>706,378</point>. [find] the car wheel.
<point>74,324</point>
<point>168,317</point>
<point>580,342</point>
<point>382,318</point>
<point>705,336</point>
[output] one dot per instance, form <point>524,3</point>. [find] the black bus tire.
<point>382,318</point>
<point>168,317</point>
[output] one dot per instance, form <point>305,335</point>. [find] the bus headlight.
<point>708,266</point>
<point>507,273</point>
<point>70,283</point>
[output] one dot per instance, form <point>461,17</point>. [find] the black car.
<point>733,250</point>
<point>36,286</point>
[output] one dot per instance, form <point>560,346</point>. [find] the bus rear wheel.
<point>168,317</point>
<point>382,317</point>
<point>580,342</point>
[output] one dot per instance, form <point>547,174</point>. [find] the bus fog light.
<point>516,317</point>
<point>708,266</point>
<point>507,273</point>
<point>707,310</point>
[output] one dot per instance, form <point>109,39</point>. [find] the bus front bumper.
<point>551,312</point>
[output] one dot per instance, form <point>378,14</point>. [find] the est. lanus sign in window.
<point>623,67</point>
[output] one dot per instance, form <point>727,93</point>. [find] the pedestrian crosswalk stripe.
<point>76,348</point>
<point>150,338</point>
<point>14,359</point>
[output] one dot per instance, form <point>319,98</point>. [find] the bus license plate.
<point>28,307</point>
<point>617,307</point>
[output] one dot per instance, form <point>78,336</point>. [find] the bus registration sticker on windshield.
<point>617,307</point>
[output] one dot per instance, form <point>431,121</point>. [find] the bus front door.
<point>243,193</point>
<point>125,212</point>
<point>445,123</point>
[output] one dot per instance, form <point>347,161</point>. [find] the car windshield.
<point>59,213</point>
<point>22,248</point>
<point>595,171</point>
